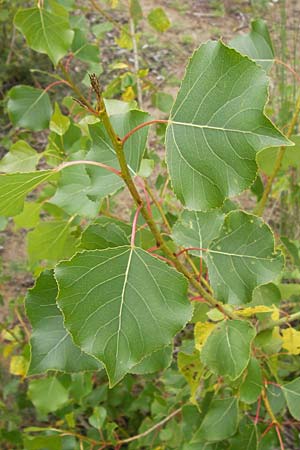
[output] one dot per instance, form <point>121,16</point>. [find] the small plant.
<point>112,297</point>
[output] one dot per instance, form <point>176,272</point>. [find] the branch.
<point>158,425</point>
<point>282,321</point>
<point>125,173</point>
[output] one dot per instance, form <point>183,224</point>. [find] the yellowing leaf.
<point>201,332</point>
<point>246,312</point>
<point>275,315</point>
<point>191,368</point>
<point>129,94</point>
<point>18,365</point>
<point>291,341</point>
<point>8,349</point>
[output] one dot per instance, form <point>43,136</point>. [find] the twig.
<point>158,425</point>
<point>134,224</point>
<point>142,125</point>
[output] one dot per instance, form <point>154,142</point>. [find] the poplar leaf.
<point>252,310</point>
<point>29,107</point>
<point>51,241</point>
<point>192,369</point>
<point>242,257</point>
<point>121,305</point>
<point>14,187</point>
<point>253,382</point>
<point>45,32</point>
<point>197,229</point>
<point>51,345</point>
<point>59,123</point>
<point>291,341</point>
<point>292,394</point>
<point>47,394</point>
<point>159,20</point>
<point>226,351</point>
<point>202,331</point>
<point>257,44</point>
<point>20,158</point>
<point>217,125</point>
<point>220,421</point>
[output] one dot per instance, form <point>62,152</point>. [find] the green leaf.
<point>98,417</point>
<point>292,248</point>
<point>226,351</point>
<point>29,217</point>
<point>83,50</point>
<point>246,438</point>
<point>42,442</point>
<point>162,101</point>
<point>75,192</point>
<point>102,150</point>
<point>267,295</point>
<point>15,186</point>
<point>266,158</point>
<point>220,421</point>
<point>252,384</point>
<point>20,158</point>
<point>237,265</point>
<point>120,305</point>
<point>257,44</point>
<point>292,394</point>
<point>59,123</point>
<point>155,362</point>
<point>217,125</point>
<point>45,32</point>
<point>99,236</point>
<point>47,394</point>
<point>51,345</point>
<point>197,229</point>
<point>51,241</point>
<point>159,20</point>
<point>29,107</point>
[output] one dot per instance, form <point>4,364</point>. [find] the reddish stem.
<point>89,163</point>
<point>257,410</point>
<point>267,430</point>
<point>191,248</point>
<point>142,125</point>
<point>279,437</point>
<point>274,384</point>
<point>134,224</point>
<point>148,202</point>
<point>163,259</point>
<point>56,83</point>
<point>152,249</point>
<point>199,299</point>
<point>68,61</point>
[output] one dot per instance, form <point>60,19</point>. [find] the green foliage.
<point>158,317</point>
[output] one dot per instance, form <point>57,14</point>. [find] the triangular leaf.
<point>257,44</point>
<point>29,107</point>
<point>47,394</point>
<point>51,345</point>
<point>121,304</point>
<point>45,32</point>
<point>227,349</point>
<point>217,125</point>
<point>242,257</point>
